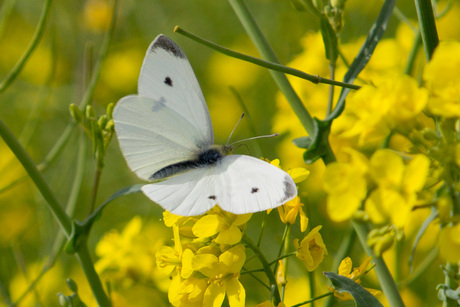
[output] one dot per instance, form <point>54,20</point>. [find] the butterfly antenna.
<point>255,137</point>
<point>234,128</point>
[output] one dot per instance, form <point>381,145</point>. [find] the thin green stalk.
<point>268,272</point>
<point>283,241</point>
<point>311,275</point>
<point>263,63</point>
<point>424,265</point>
<point>313,299</point>
<point>267,53</point>
<point>413,53</point>
<point>60,239</point>
<point>427,26</point>
<point>92,201</point>
<point>14,72</point>
<point>386,281</point>
<point>36,176</point>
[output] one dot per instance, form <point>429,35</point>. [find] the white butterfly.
<point>166,136</point>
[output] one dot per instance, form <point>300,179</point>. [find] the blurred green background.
<point>36,108</point>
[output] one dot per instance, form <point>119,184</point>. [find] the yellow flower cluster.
<point>385,183</point>
<point>206,260</point>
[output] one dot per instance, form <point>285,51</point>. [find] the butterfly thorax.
<point>206,157</point>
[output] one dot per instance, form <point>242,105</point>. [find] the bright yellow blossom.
<point>227,226</point>
<point>311,249</point>
<point>346,269</point>
<point>223,273</point>
<point>289,211</point>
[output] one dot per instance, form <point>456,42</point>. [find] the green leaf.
<point>125,191</point>
<point>364,55</point>
<point>343,284</point>
<point>330,40</point>
<point>316,145</point>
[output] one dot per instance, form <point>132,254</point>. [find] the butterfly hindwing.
<point>237,183</point>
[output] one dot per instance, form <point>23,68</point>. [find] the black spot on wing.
<point>168,81</point>
<point>254,190</point>
<point>165,43</point>
<point>213,197</point>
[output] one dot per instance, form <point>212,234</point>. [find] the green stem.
<point>386,281</point>
<point>30,48</point>
<point>60,240</point>
<point>427,26</point>
<point>267,53</point>
<point>36,176</point>
<point>266,266</point>
<point>413,54</point>
<point>91,275</point>
<point>450,271</point>
<point>267,64</point>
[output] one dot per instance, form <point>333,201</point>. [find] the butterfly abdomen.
<point>205,158</point>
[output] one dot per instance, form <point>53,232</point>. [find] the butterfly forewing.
<point>152,136</point>
<point>166,76</point>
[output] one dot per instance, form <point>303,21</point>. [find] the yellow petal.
<point>208,225</point>
<point>345,266</point>
<point>416,173</point>
<point>235,293</point>
<point>214,296</point>
<point>229,236</point>
<point>387,168</point>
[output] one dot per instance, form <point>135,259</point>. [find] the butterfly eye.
<point>254,190</point>
<point>168,81</point>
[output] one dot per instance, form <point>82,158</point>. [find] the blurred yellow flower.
<point>443,81</point>
<point>398,185</point>
<point>124,256</point>
<point>449,243</point>
<point>346,185</point>
<point>311,249</point>
<point>97,15</point>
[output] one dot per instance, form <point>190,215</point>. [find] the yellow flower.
<point>169,258</point>
<point>223,273</point>
<point>311,249</point>
<point>443,81</point>
<point>97,15</point>
<point>289,211</point>
<point>398,185</point>
<point>346,185</point>
<point>227,226</point>
<point>372,112</point>
<point>449,243</point>
<point>188,292</point>
<point>346,269</point>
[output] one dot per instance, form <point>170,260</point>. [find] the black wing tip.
<point>167,44</point>
<point>290,189</point>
